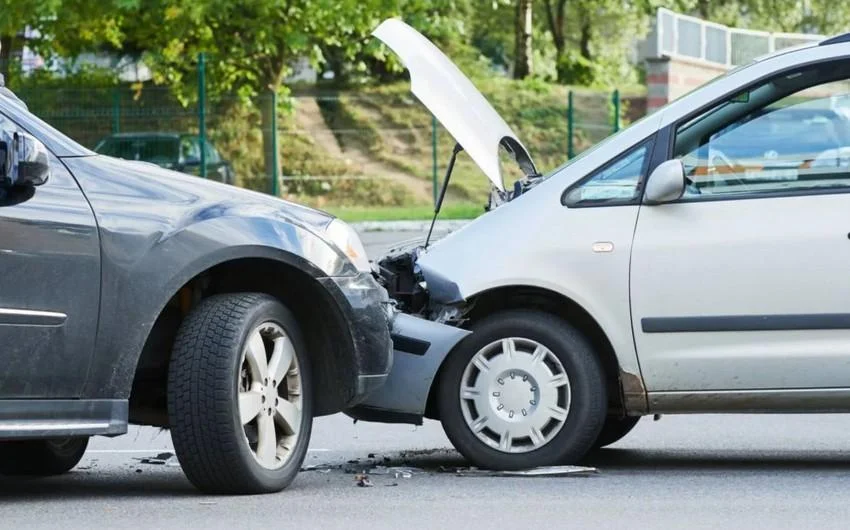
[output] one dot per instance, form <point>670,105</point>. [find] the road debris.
<point>363,481</point>
<point>396,472</point>
<point>162,459</point>
<point>547,471</point>
<point>321,468</point>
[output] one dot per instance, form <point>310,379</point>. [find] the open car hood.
<point>454,101</point>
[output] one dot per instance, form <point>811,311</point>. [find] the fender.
<point>169,244</point>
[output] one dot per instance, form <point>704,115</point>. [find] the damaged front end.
<point>431,309</point>
<point>426,328</point>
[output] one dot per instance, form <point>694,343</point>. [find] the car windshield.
<point>155,150</point>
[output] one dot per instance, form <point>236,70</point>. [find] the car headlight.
<point>348,242</point>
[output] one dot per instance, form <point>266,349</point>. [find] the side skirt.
<point>744,401</point>
<point>58,418</point>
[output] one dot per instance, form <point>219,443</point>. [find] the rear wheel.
<point>41,457</point>
<point>615,429</point>
<point>524,390</point>
<point>239,395</point>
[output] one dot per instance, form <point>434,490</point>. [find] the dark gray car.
<point>180,152</point>
<point>133,294</point>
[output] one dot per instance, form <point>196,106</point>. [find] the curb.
<point>409,226</point>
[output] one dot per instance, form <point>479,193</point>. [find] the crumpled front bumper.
<point>421,346</point>
<point>368,314</point>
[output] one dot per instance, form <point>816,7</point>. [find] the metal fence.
<point>677,35</point>
<point>364,147</point>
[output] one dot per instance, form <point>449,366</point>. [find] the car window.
<point>211,153</point>
<point>190,150</point>
<point>789,134</point>
<point>156,150</point>
<point>616,183</point>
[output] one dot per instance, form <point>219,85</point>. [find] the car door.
<point>742,283</point>
<point>49,287</point>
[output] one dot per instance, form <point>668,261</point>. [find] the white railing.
<point>677,35</point>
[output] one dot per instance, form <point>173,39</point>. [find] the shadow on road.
<point>643,461</point>
<point>119,484</point>
<point>116,485</point>
<point>719,460</point>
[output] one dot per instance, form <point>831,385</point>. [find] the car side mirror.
<point>666,183</point>
<point>24,161</point>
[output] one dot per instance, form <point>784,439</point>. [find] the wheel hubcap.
<point>515,395</point>
<point>269,394</point>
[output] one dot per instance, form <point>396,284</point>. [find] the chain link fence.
<point>369,146</point>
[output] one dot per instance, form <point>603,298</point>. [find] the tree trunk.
<point>522,57</point>
<point>5,56</point>
<point>555,18</point>
<point>584,35</point>
<point>704,9</point>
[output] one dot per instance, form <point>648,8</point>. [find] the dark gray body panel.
<point>89,261</point>
<point>49,266</point>
<point>159,229</point>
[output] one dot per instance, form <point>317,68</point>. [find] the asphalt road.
<point>733,471</point>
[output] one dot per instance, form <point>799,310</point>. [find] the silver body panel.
<point>407,388</point>
<point>770,271</point>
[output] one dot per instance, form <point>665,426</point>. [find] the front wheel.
<point>239,395</point>
<point>615,428</point>
<point>41,457</point>
<point>524,390</point>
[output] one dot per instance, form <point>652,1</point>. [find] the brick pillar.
<point>669,78</point>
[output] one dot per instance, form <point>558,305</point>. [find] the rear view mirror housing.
<point>24,161</point>
<point>666,183</point>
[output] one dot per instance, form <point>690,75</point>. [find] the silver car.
<point>696,262</point>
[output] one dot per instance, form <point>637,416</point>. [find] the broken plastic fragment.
<point>548,471</point>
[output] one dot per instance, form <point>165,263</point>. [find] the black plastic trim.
<point>725,323</point>
<point>410,345</point>
<point>364,413</point>
<point>838,39</point>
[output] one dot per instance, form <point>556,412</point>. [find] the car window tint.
<point>790,134</point>
<point>617,183</point>
<point>190,150</point>
<point>155,150</point>
<point>211,154</point>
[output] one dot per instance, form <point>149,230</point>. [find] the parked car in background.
<point>695,262</point>
<point>180,152</point>
<point>134,294</point>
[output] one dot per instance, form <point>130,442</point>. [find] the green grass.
<point>396,129</point>
<point>405,213</point>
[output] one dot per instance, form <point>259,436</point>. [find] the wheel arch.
<point>289,278</point>
<point>626,392</point>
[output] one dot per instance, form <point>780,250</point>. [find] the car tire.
<point>528,371</point>
<point>615,428</point>
<point>239,395</point>
<point>41,457</point>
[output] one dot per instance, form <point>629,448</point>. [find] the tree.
<point>59,27</point>
<point>523,66</point>
<point>15,17</point>
<point>251,44</point>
